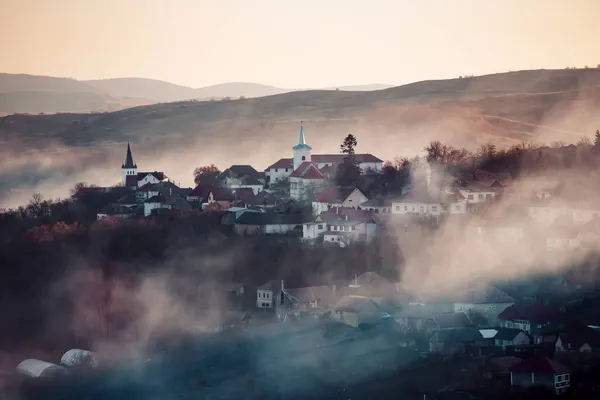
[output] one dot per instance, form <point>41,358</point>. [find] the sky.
<point>295,44</point>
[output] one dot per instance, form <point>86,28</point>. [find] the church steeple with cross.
<point>301,150</point>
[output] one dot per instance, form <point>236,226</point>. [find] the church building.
<point>133,179</point>
<point>306,171</point>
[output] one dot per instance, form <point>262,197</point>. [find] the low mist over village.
<point>433,237</point>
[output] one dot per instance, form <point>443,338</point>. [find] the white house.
<point>478,192</point>
<point>338,197</point>
<point>283,168</point>
<point>426,205</point>
<point>306,181</point>
<point>341,226</point>
<point>155,202</point>
<point>379,205</point>
<point>511,337</point>
<point>266,293</point>
<point>241,176</point>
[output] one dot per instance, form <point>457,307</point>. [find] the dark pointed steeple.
<point>129,159</point>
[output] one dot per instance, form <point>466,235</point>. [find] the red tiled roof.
<point>307,170</point>
<point>532,312</point>
<point>334,195</point>
<point>333,158</point>
<point>326,158</point>
<point>282,163</point>
<point>540,365</point>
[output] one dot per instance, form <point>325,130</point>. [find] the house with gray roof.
<point>296,301</point>
<point>242,176</point>
<point>356,311</point>
<point>506,337</point>
<point>448,321</point>
<point>485,300</point>
<point>341,226</point>
<point>450,342</point>
<point>269,223</point>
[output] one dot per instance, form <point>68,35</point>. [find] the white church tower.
<point>129,168</point>
<point>301,150</point>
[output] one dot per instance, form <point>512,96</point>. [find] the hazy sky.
<point>295,44</point>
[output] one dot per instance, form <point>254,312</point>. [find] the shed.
<point>78,357</point>
<point>40,369</point>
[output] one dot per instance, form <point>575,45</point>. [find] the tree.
<point>597,140</point>
<point>487,150</point>
<point>348,145</point>
<point>206,175</point>
<point>348,172</point>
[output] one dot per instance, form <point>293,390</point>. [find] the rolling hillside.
<point>505,109</point>
<point>20,93</point>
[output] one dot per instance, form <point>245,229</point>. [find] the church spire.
<point>129,158</point>
<point>301,139</point>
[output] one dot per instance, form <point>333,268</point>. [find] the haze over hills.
<point>505,109</point>
<point>20,93</point>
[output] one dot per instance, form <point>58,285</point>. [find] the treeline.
<point>520,159</point>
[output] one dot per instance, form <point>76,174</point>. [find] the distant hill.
<point>141,88</point>
<point>238,89</point>
<point>35,83</point>
<point>21,93</point>
<point>361,88</point>
<point>505,109</point>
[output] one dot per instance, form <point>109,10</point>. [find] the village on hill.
<point>515,331</point>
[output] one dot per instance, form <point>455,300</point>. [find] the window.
<point>470,197</point>
<point>480,196</point>
<point>488,196</point>
<point>353,228</point>
<point>433,208</point>
<point>457,207</point>
<point>320,227</point>
<point>286,170</point>
<point>303,158</point>
<point>397,208</point>
<point>405,208</point>
<point>275,169</point>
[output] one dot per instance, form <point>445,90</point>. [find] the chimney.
<point>337,210</point>
<point>282,285</point>
<point>334,288</point>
